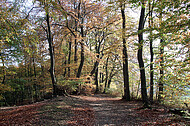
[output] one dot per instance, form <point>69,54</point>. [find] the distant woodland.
<point>134,49</point>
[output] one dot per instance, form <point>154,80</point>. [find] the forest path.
<point>94,110</point>
<point>113,111</point>
<point>100,110</point>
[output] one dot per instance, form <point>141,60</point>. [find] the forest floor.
<point>94,110</point>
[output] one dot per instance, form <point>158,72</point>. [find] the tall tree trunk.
<point>100,78</point>
<point>29,79</point>
<point>111,75</point>
<point>75,55</point>
<point>65,63</point>
<point>4,72</point>
<point>82,55</point>
<point>96,81</point>
<point>151,55</point>
<point>161,62</point>
<point>28,71</point>
<point>82,42</point>
<point>109,82</point>
<point>35,85</point>
<point>51,51</point>
<point>94,68</point>
<point>106,80</point>
<point>96,78</point>
<point>69,58</point>
<point>125,57</point>
<point>161,86</point>
<point>76,25</point>
<point>98,44</point>
<point>140,57</point>
<point>42,75</point>
<point>31,68</point>
<point>25,65</point>
<point>98,52</point>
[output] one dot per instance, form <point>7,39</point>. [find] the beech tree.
<point>151,6</point>
<point>51,50</point>
<point>125,56</point>
<point>59,46</point>
<point>140,55</point>
<point>170,27</point>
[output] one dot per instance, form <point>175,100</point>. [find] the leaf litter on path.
<point>95,110</point>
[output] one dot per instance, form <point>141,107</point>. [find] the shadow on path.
<point>113,111</point>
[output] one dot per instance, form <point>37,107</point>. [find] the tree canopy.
<point>61,47</point>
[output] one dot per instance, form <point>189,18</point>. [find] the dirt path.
<point>116,112</point>
<point>113,111</point>
<point>97,110</point>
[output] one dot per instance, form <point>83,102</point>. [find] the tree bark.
<point>94,68</point>
<point>4,72</point>
<point>82,55</point>
<point>76,25</point>
<point>100,78</point>
<point>112,73</point>
<point>98,52</point>
<point>106,80</point>
<point>110,78</point>
<point>96,81</point>
<point>65,63</point>
<point>140,57</point>
<point>160,93</point>
<point>35,85</point>
<point>82,44</point>
<point>125,57</point>
<point>151,55</point>
<point>69,58</point>
<point>161,85</point>
<point>51,51</point>
<point>98,44</point>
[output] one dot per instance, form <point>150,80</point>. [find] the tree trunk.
<point>100,78</point>
<point>4,72</point>
<point>94,68</point>
<point>98,44</point>
<point>96,81</point>
<point>111,73</point>
<point>140,57</point>
<point>82,56</point>
<point>65,63</point>
<point>96,78</point>
<point>106,80</point>
<point>82,43</point>
<point>69,58</point>
<point>160,93</point>
<point>51,51</point>
<point>75,55</point>
<point>109,82</point>
<point>76,25</point>
<point>35,85</point>
<point>125,57</point>
<point>151,55</point>
<point>161,86</point>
